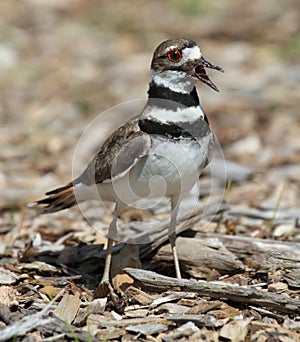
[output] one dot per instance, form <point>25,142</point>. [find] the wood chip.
<point>188,302</point>
<point>188,326</point>
<point>284,230</point>
<point>97,306</point>
<point>7,277</point>
<point>172,309</point>
<point>170,298</point>
<point>205,307</point>
<point>138,295</point>
<point>147,328</point>
<point>199,320</point>
<point>40,267</point>
<point>97,320</point>
<point>136,313</point>
<point>121,282</point>
<point>68,307</point>
<point>50,290</point>
<point>278,287</point>
<point>8,296</point>
<point>236,330</point>
<point>81,317</point>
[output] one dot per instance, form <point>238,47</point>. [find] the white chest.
<point>171,167</point>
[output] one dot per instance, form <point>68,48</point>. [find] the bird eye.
<point>174,55</point>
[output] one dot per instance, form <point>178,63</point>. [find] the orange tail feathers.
<point>56,200</point>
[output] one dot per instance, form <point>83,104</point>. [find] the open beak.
<point>200,73</point>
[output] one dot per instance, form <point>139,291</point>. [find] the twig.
<point>241,294</point>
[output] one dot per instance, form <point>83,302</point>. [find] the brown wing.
<point>119,153</point>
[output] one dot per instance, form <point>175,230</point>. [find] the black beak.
<point>200,72</point>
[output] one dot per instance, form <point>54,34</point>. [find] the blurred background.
<point>64,62</point>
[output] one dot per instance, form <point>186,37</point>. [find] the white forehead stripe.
<point>190,54</point>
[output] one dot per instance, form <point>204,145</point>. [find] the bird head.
<point>176,62</point>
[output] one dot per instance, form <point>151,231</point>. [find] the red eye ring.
<point>174,55</point>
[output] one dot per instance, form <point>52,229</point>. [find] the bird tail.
<point>55,200</point>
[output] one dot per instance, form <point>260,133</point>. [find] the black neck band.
<point>172,98</point>
<point>182,130</point>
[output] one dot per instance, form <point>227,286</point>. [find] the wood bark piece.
<point>155,282</point>
<point>199,320</point>
<point>271,254</point>
<point>245,245</point>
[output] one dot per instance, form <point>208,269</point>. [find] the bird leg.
<point>175,201</point>
<point>104,288</point>
<point>106,272</point>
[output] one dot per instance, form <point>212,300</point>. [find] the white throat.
<point>177,81</point>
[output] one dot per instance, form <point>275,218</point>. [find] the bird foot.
<point>104,289</point>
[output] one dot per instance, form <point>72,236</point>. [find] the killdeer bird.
<point>169,140</point>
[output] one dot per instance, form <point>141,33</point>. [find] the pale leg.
<point>175,201</point>
<point>105,289</point>
<point>112,230</point>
